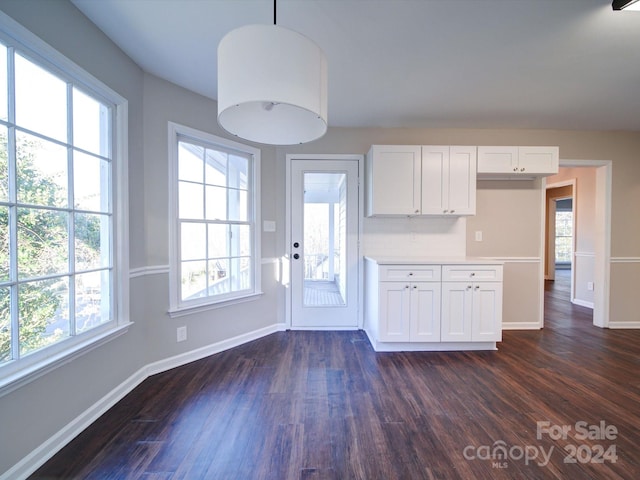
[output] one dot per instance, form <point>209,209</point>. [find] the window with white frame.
<point>59,267</point>
<point>215,242</point>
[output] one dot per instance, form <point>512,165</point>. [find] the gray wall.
<point>38,410</point>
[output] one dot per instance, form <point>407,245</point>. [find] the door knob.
<point>296,245</point>
<point>296,256</point>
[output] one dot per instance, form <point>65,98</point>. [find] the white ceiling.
<point>565,64</point>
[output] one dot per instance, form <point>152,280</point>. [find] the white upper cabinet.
<point>448,180</point>
<point>393,180</point>
<point>414,180</point>
<point>516,162</point>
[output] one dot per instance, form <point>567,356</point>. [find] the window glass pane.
<point>90,124</point>
<point>238,171</point>
<point>190,202</point>
<point>4,244</point>
<point>41,100</point>
<point>42,242</point>
<point>43,310</point>
<point>218,241</point>
<point>216,203</point>
<point>219,276</point>
<point>42,171</point>
<point>193,280</point>
<point>91,241</point>
<point>93,300</point>
<point>246,273</point>
<point>90,183</point>
<point>5,324</point>
<point>238,205</point>
<point>216,168</point>
<point>190,162</point>
<point>193,241</point>
<point>3,83</point>
<point>244,240</point>
<point>4,165</point>
<point>239,273</point>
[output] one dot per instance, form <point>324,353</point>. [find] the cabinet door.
<point>460,181</point>
<point>538,160</point>
<point>457,303</point>
<point>487,312</point>
<point>425,312</point>
<point>395,312</point>
<point>497,159</point>
<point>435,166</point>
<point>393,180</point>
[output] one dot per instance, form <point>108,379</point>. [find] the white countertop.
<point>383,260</point>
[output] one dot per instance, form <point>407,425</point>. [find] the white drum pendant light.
<point>272,85</point>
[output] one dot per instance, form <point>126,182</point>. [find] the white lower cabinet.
<point>433,307</point>
<point>471,312</point>
<point>409,312</point>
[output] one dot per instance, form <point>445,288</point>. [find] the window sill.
<point>46,365</point>
<point>181,312</point>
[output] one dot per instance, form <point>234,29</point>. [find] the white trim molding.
<point>150,270</point>
<point>624,325</point>
<point>515,259</point>
<point>625,260</point>
<point>62,437</point>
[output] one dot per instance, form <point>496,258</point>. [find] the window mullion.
<point>13,210</point>
<point>71,228</point>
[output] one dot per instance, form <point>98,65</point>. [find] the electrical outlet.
<point>181,334</point>
<point>590,286</point>
<point>478,235</point>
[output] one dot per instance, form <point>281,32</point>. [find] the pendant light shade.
<point>272,85</point>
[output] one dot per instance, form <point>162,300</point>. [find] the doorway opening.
<point>576,239</point>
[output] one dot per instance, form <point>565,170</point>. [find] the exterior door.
<point>324,244</point>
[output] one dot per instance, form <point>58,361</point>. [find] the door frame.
<point>602,267</point>
<point>286,268</point>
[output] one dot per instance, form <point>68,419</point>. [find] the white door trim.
<point>602,273</point>
<point>286,267</point>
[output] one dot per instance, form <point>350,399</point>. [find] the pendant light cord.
<point>274,11</point>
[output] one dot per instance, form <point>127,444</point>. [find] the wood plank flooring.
<point>323,405</point>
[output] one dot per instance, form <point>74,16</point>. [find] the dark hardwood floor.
<point>323,405</point>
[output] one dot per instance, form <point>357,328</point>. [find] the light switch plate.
<point>268,226</point>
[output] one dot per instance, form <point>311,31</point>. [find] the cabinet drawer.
<point>476,273</point>
<point>397,273</point>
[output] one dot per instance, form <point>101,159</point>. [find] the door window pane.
<point>324,234</point>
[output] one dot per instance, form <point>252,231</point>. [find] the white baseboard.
<point>188,357</point>
<point>623,325</point>
<point>49,448</point>
<point>432,347</point>
<point>520,326</point>
<point>582,303</point>
<point>54,444</point>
